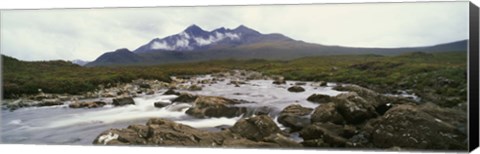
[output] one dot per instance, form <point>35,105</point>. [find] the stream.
<point>64,125</point>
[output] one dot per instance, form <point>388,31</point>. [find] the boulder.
<point>123,101</point>
<point>322,83</point>
<point>296,89</point>
<point>213,106</point>
<point>50,102</point>
<point>150,92</point>
<point>279,81</point>
<point>322,134</point>
<point>237,82</point>
<point>195,88</point>
<point>327,113</point>
<point>295,117</point>
<point>319,98</point>
<point>164,132</point>
<point>300,83</point>
<point>354,108</point>
<point>161,104</point>
<point>185,98</point>
<point>93,104</point>
<point>255,128</point>
<point>144,85</point>
<point>171,92</point>
<point>407,126</point>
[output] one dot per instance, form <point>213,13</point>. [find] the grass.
<point>439,77</point>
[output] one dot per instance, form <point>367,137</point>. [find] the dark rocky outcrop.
<point>354,108</point>
<point>161,104</point>
<point>255,128</point>
<point>279,81</point>
<point>93,104</point>
<point>327,113</point>
<point>410,127</point>
<point>295,117</point>
<point>319,98</point>
<point>296,89</point>
<point>50,102</point>
<point>212,106</point>
<point>123,101</point>
<point>168,133</point>
<point>326,134</point>
<point>195,88</point>
<point>171,92</point>
<point>185,98</point>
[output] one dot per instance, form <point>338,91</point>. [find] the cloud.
<point>87,33</point>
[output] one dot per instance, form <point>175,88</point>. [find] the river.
<point>63,125</point>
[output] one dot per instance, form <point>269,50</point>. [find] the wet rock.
<point>282,141</point>
<point>322,83</point>
<point>296,89</point>
<point>327,113</point>
<point>50,102</point>
<point>354,108</point>
<point>195,88</point>
<point>300,83</point>
<point>279,80</point>
<point>295,116</point>
<point>319,98</point>
<point>328,133</point>
<point>185,98</point>
<point>150,92</point>
<point>213,106</point>
<point>407,126</point>
<point>255,128</point>
<point>161,104</point>
<point>168,133</point>
<point>144,85</point>
<point>93,104</point>
<point>264,110</point>
<point>237,82</point>
<point>123,101</point>
<point>171,92</point>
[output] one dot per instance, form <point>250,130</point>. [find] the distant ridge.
<point>195,44</point>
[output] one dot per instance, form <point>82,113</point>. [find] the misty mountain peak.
<point>194,38</point>
<point>194,30</point>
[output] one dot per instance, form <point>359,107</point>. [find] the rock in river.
<point>213,106</point>
<point>164,132</point>
<point>296,89</point>
<point>93,104</point>
<point>161,104</point>
<point>123,101</point>
<point>50,102</point>
<point>354,108</point>
<point>327,113</point>
<point>171,92</point>
<point>319,98</point>
<point>255,128</point>
<point>185,98</point>
<point>295,116</point>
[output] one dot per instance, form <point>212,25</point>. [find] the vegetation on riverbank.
<point>440,77</point>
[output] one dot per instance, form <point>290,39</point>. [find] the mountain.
<point>195,38</point>
<point>80,62</point>
<point>195,44</point>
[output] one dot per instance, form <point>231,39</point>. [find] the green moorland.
<point>440,78</point>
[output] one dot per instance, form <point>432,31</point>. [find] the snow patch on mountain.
<point>160,45</point>
<point>216,38</point>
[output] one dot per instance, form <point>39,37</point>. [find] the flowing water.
<point>64,125</point>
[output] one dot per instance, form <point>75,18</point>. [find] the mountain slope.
<point>195,44</point>
<point>195,38</point>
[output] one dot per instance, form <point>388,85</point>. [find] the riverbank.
<point>240,108</point>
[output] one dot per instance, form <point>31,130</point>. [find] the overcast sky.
<point>87,33</point>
